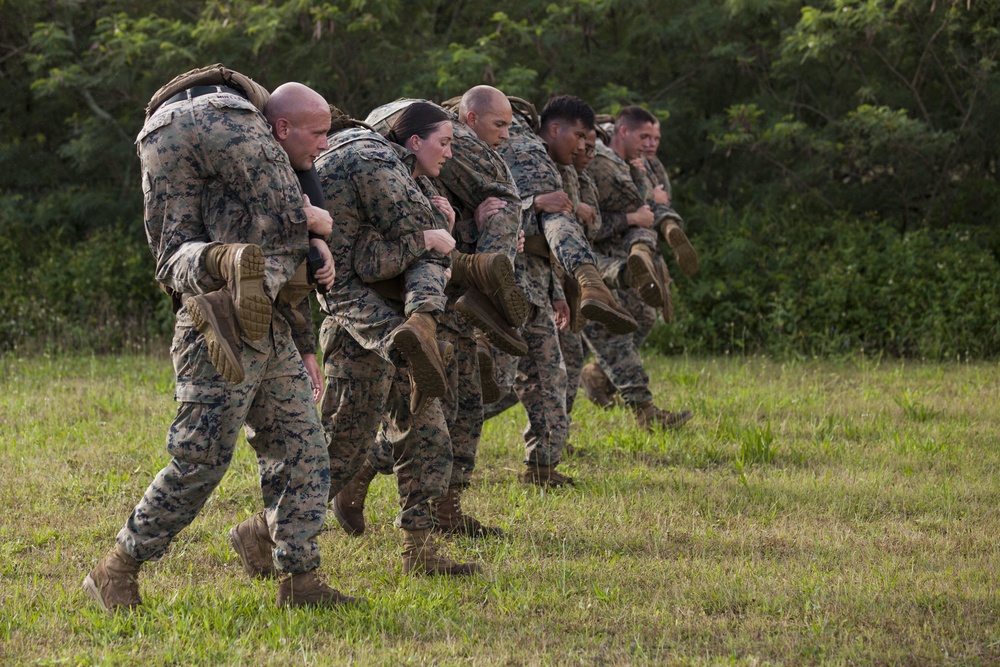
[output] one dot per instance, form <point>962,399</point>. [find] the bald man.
<point>214,176</point>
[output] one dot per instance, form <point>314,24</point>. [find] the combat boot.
<point>678,241</point>
<point>420,556</point>
<point>544,476</point>
<point>491,390</point>
<point>418,399</point>
<point>650,417</point>
<point>597,386</point>
<point>242,267</point>
<point>251,539</point>
<point>415,340</point>
<point>114,582</point>
<point>492,274</point>
<point>597,303</point>
<point>450,520</point>
<point>212,315</point>
<point>641,274</point>
<point>480,311</point>
<point>305,588</point>
<point>349,504</point>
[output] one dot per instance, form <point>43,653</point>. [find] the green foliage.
<point>790,283</point>
<point>872,110</point>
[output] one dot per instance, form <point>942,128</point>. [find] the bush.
<point>771,282</point>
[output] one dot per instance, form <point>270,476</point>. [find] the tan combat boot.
<point>242,267</point>
<point>450,520</point>
<point>491,390</point>
<point>421,557</point>
<point>492,274</point>
<point>597,386</point>
<point>415,340</point>
<point>418,399</point>
<point>597,303</point>
<point>544,476</point>
<point>349,504</point>
<point>650,417</point>
<point>212,315</point>
<point>114,582</point>
<point>480,311</point>
<point>305,588</point>
<point>678,241</point>
<point>641,274</point>
<point>251,539</point>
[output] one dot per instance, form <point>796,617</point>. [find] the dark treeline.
<point>835,159</point>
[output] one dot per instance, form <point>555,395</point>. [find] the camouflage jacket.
<point>535,173</point>
<point>647,179</point>
<point>617,195</point>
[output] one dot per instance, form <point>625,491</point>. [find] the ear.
<point>470,118</point>
<point>281,128</point>
<point>413,143</point>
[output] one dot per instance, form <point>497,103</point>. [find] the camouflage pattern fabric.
<point>473,174</point>
<point>647,180</point>
<point>213,173</point>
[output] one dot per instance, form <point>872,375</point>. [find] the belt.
<point>198,91</point>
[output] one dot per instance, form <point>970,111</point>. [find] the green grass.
<point>812,512</point>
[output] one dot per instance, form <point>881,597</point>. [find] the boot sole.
<point>253,308</point>
<point>481,320</point>
<point>686,256</point>
<point>425,372</point>
<point>648,285</point>
<point>507,295</point>
<point>342,520</point>
<point>90,587</point>
<point>614,321</point>
<point>241,550</point>
<point>222,356</point>
<point>491,390</point>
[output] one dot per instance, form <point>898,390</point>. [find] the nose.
<point>504,134</point>
<point>447,152</point>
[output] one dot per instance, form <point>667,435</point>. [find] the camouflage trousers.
<point>274,402</point>
<point>362,315</point>
<point>462,413</point>
<point>567,241</point>
<point>354,399</point>
<point>618,355</point>
<point>362,392</point>
<point>571,345</point>
<point>540,386</point>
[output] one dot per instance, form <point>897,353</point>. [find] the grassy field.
<point>812,512</point>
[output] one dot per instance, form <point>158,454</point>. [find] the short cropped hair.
<point>634,116</point>
<point>569,109</point>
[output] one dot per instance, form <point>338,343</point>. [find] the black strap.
<point>198,91</point>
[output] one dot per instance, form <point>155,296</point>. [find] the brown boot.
<point>678,241</point>
<point>641,274</point>
<point>668,297</point>
<point>597,303</point>
<point>491,390</point>
<point>544,476</point>
<point>252,541</point>
<point>421,557</point>
<point>305,588</point>
<point>475,307</point>
<point>597,386</point>
<point>416,342</point>
<point>650,417</point>
<point>114,581</point>
<point>449,519</point>
<point>212,315</point>
<point>242,267</point>
<point>492,274</point>
<point>418,399</point>
<point>349,504</point>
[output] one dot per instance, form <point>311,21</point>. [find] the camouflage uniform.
<point>212,173</point>
<point>618,195</point>
<point>540,383</point>
<point>381,213</point>
<point>474,173</point>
